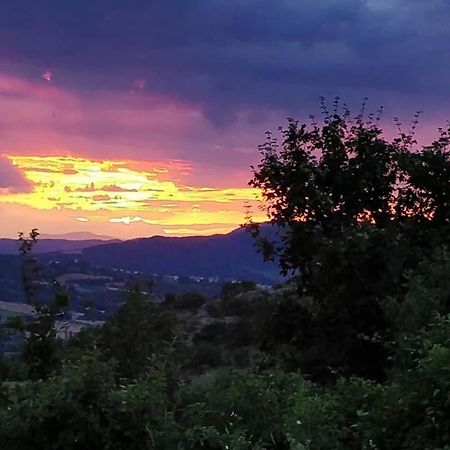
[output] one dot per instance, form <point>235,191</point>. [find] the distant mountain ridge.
<point>231,255</point>
<point>11,246</point>
<point>79,236</point>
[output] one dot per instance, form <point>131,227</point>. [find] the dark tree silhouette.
<point>354,211</point>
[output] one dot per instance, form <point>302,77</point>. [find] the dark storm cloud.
<point>232,55</point>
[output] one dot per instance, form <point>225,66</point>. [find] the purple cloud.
<point>11,179</point>
<point>230,56</point>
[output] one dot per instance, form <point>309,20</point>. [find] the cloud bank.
<point>199,81</point>
<point>11,178</point>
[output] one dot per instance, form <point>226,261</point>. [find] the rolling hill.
<point>231,255</point>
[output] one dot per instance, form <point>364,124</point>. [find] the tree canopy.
<point>323,180</point>
<point>355,213</point>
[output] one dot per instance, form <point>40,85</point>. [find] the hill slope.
<point>230,255</point>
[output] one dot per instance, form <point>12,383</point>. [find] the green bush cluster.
<point>86,406</point>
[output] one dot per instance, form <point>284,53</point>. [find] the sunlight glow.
<point>127,192</point>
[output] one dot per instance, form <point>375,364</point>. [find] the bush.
<point>204,355</point>
<point>231,289</point>
<point>214,332</point>
<point>189,301</point>
<point>213,309</point>
<point>238,306</point>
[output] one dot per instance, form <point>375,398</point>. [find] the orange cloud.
<point>118,192</point>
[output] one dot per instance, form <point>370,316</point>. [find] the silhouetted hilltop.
<point>230,255</point>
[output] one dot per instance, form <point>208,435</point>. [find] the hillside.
<point>231,255</point>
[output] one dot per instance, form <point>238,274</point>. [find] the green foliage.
<point>41,347</point>
<point>357,214</point>
<point>136,333</point>
<point>427,293</point>
<point>185,301</point>
<point>325,179</point>
<point>231,289</point>
<point>205,355</point>
<point>84,408</point>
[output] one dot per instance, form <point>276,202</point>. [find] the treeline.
<point>353,353</point>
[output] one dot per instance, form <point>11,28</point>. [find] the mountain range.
<point>231,255</point>
<point>11,246</point>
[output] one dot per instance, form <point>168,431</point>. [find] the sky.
<point>141,117</point>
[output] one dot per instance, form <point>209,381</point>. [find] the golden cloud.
<point>127,192</point>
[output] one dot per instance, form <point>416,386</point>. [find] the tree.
<point>355,211</point>
<point>41,344</point>
<point>344,174</point>
<point>138,331</point>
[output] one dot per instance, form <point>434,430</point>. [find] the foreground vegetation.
<point>353,353</point>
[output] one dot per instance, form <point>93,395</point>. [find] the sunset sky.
<point>140,117</point>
